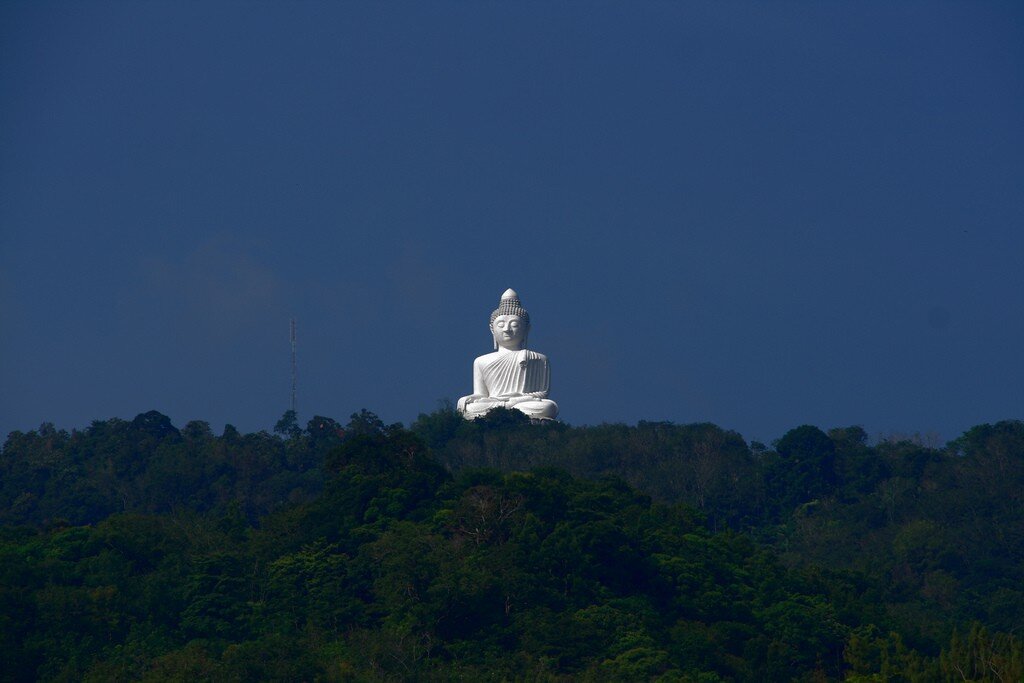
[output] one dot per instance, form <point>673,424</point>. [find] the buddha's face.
<point>509,331</point>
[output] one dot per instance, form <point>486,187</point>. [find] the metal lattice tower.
<point>294,366</point>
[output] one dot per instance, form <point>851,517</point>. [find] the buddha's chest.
<point>515,373</point>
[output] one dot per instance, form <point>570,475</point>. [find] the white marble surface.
<point>512,376</point>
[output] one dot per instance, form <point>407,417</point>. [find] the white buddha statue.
<point>512,376</point>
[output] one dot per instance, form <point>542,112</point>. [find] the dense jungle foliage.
<point>501,549</point>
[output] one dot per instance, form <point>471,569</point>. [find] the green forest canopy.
<point>504,550</point>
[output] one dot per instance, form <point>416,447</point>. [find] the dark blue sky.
<point>756,214</point>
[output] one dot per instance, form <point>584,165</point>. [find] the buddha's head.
<point>510,323</point>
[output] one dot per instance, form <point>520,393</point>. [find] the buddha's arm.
<point>479,387</point>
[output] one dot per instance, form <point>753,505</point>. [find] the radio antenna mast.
<point>294,367</point>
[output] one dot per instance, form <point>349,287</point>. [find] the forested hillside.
<point>505,550</point>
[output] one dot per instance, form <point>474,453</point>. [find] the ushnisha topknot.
<point>510,305</point>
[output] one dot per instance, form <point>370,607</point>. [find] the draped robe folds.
<point>517,374</point>
<point>502,376</point>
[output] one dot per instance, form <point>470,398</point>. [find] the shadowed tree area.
<point>507,550</point>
